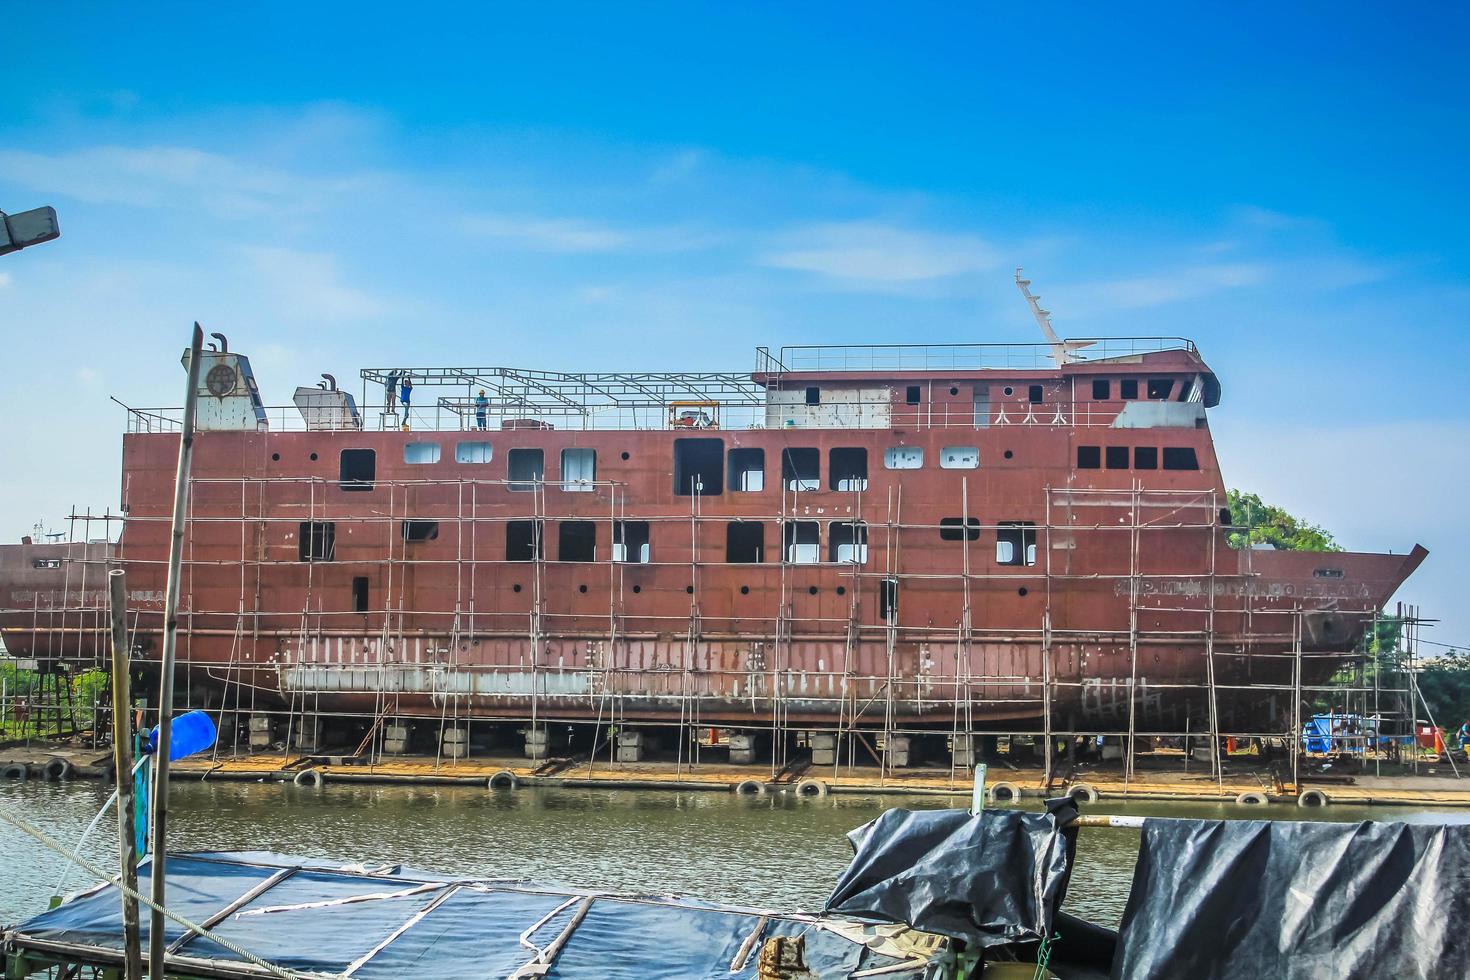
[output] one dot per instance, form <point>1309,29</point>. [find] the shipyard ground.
<point>1159,777</point>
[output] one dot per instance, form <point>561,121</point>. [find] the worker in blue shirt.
<point>482,405</point>
<point>405,392</point>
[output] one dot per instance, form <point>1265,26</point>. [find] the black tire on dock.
<point>750,787</point>
<point>309,777</point>
<point>504,779</point>
<point>58,769</point>
<point>1251,799</point>
<point>811,787</point>
<point>1084,792</point>
<point>16,770</point>
<point>1004,792</point>
<point>1313,797</point>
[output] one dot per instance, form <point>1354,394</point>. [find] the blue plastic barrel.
<point>190,732</point>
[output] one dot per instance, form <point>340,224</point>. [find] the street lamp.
<point>18,231</point>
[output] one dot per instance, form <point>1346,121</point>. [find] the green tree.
<point>1255,522</point>
<point>1445,684</point>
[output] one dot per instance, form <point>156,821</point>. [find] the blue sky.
<point>619,186</point>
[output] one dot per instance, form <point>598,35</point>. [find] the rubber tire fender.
<point>309,777</point>
<point>1085,791</point>
<point>1313,797</point>
<point>1251,799</point>
<point>504,779</point>
<point>749,787</point>
<point>1012,793</point>
<point>16,770</point>
<point>811,787</point>
<point>58,769</point>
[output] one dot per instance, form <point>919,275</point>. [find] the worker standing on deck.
<point>390,390</point>
<point>482,406</point>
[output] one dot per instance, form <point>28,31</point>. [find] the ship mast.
<point>1061,350</point>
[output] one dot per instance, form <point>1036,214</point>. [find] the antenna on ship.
<point>1061,350</point>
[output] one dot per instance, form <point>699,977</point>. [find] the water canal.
<point>777,851</point>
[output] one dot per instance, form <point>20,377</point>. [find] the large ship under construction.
<point>891,540</point>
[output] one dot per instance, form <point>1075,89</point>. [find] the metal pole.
<point>156,944</point>
<point>122,760</point>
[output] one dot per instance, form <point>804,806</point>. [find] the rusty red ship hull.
<point>920,549</point>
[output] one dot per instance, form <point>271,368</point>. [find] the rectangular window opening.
<point>847,542</point>
<point>801,469</point>
<point>888,600</point>
<point>523,540</point>
<point>1145,458</point>
<point>631,542</point>
<point>420,530</point>
<point>699,467</point>
<point>1089,457</point>
<point>577,541</point>
<point>1117,457</point>
<point>472,452</point>
<point>317,541</point>
<point>959,457</point>
<point>814,395</point>
<point>802,542</point>
<point>903,457</point>
<point>1102,389</point>
<point>847,468</point>
<point>747,470</point>
<point>1160,388</point>
<point>1034,394</point>
<point>911,396</point>
<point>419,453</point>
<point>357,468</point>
<point>959,529</point>
<point>525,468</point>
<point>360,594</point>
<point>1180,458</point>
<point>578,469</point>
<point>745,542</point>
<point>1015,543</point>
<point>980,401</point>
<point>1128,389</point>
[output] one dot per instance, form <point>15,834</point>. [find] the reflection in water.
<point>775,851</point>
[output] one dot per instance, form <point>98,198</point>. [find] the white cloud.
<point>4,279</point>
<point>547,234</point>
<point>1190,282</point>
<point>863,251</point>
<point>308,286</point>
<point>175,177</point>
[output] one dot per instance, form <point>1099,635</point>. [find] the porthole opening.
<point>842,590</point>
<point>954,391</point>
<point>515,588</point>
<point>1009,390</point>
<point>745,590</point>
<point>622,455</point>
<point>637,589</point>
<point>1021,591</point>
<point>275,457</point>
<point>688,590</point>
<point>1009,454</point>
<point>812,590</point>
<point>582,589</point>
<point>313,457</point>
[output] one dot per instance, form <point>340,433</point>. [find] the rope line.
<point>193,927</point>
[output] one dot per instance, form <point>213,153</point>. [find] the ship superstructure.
<point>900,540</point>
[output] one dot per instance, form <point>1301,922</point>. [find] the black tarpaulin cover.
<point>1277,899</point>
<point>989,879</point>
